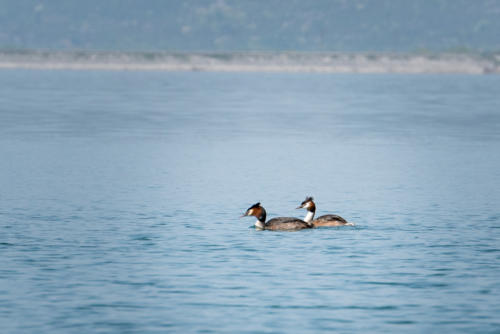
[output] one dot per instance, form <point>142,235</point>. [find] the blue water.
<point>120,194</point>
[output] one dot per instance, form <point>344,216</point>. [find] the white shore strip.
<point>254,62</point>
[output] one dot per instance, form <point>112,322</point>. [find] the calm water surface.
<point>120,194</point>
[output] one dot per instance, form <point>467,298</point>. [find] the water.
<point>121,191</point>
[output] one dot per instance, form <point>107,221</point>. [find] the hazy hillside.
<point>205,25</point>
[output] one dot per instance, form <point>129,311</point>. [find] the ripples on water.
<point>120,193</point>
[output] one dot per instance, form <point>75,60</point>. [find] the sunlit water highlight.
<point>121,191</point>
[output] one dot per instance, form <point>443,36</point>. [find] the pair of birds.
<point>290,223</point>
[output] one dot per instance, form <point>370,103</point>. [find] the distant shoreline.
<point>312,62</point>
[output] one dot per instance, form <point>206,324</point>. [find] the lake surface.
<point>120,194</point>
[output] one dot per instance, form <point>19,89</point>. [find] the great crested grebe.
<point>326,220</point>
<point>279,223</point>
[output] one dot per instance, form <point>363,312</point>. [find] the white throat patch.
<point>309,217</point>
<point>259,225</point>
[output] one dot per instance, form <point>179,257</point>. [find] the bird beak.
<point>299,207</point>
<point>243,215</point>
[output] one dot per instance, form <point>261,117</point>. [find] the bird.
<point>275,224</point>
<point>326,220</point>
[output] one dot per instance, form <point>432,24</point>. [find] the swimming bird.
<point>326,220</point>
<point>279,223</point>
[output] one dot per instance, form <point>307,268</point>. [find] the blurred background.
<point>218,25</point>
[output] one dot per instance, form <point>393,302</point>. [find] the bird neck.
<point>261,220</point>
<point>309,216</point>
